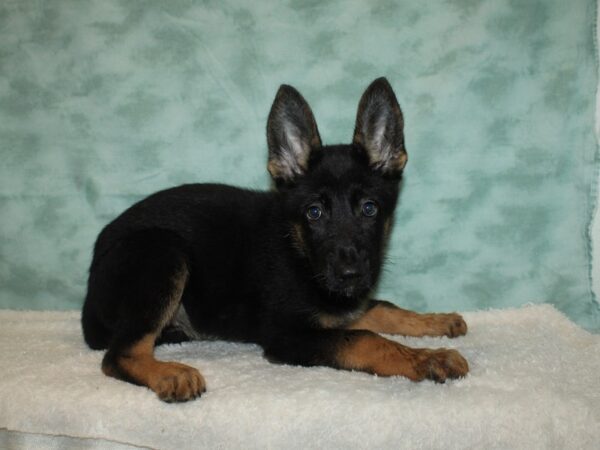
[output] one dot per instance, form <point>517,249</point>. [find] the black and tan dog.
<point>292,269</point>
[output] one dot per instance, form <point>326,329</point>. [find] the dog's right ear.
<point>379,128</point>
<point>291,135</point>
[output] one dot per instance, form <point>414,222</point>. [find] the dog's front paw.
<point>176,382</point>
<point>451,325</point>
<point>440,364</point>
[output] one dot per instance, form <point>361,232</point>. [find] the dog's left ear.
<point>291,135</point>
<point>380,128</point>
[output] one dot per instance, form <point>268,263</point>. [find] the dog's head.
<point>339,200</point>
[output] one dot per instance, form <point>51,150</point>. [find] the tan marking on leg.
<point>392,320</point>
<point>171,381</point>
<point>374,354</point>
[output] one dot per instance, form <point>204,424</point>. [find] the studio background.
<point>104,102</point>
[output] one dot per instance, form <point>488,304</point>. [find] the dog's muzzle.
<point>348,271</point>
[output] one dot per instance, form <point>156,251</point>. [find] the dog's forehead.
<point>338,163</point>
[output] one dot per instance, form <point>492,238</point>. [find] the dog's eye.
<point>313,212</point>
<point>369,208</point>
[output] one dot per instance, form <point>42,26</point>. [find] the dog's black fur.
<point>289,269</point>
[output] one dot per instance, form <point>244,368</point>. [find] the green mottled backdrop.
<point>103,102</point>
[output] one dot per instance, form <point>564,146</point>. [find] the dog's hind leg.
<point>387,318</point>
<point>148,278</point>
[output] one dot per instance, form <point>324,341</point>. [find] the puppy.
<point>291,269</point>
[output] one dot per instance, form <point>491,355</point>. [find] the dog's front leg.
<point>367,352</point>
<point>385,317</point>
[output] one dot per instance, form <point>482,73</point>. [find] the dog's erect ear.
<point>291,135</point>
<point>379,128</point>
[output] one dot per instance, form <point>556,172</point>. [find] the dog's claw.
<point>440,364</point>
<point>455,325</point>
<point>181,384</point>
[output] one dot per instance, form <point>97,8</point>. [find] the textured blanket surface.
<point>533,383</point>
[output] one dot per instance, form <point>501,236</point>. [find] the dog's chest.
<point>340,320</point>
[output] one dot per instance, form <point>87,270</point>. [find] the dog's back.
<point>218,230</point>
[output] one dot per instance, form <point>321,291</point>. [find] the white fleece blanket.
<point>534,383</point>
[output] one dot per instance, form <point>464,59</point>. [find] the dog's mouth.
<point>349,289</point>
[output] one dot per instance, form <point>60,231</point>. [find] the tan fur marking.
<point>274,168</point>
<point>278,168</point>
<point>170,380</point>
<point>399,160</point>
<point>375,354</point>
<point>337,321</point>
<point>387,228</point>
<point>298,237</point>
<point>380,356</point>
<point>393,320</point>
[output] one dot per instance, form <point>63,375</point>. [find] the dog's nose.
<point>349,272</point>
<point>348,262</point>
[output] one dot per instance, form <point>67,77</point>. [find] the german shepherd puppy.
<point>291,270</point>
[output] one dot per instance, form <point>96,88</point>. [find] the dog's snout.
<point>348,254</point>
<point>348,262</point>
